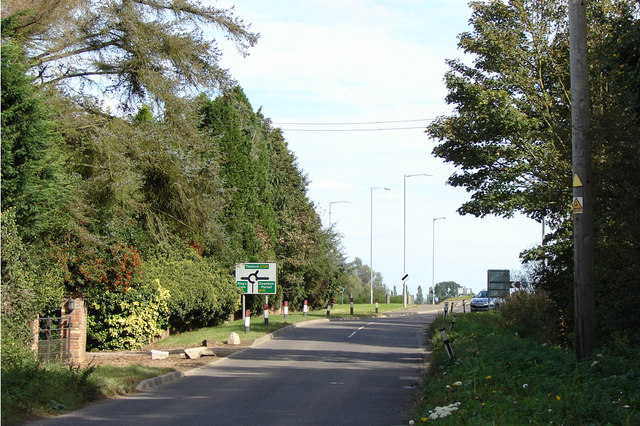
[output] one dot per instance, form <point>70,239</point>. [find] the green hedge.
<point>127,319</point>
<point>202,293</point>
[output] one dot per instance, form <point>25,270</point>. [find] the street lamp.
<point>433,260</point>
<point>335,202</point>
<point>404,239</point>
<point>371,240</point>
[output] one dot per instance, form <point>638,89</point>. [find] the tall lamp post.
<point>335,202</point>
<point>433,260</point>
<point>404,238</point>
<point>371,240</point>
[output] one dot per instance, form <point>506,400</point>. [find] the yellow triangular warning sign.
<point>577,205</point>
<point>576,180</point>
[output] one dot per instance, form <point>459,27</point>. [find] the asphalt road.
<point>355,372</point>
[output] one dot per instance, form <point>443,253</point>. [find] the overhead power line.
<point>320,126</point>
<point>342,123</point>
<point>354,130</point>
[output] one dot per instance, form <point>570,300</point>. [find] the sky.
<point>320,64</point>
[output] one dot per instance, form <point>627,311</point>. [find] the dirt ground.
<point>176,360</point>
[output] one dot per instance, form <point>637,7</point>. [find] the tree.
<point>510,139</point>
<point>446,289</point>
<point>419,296</point>
<point>131,49</point>
<point>33,176</point>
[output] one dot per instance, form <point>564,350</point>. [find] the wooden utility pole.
<point>582,199</point>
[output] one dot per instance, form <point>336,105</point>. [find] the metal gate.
<point>54,341</point>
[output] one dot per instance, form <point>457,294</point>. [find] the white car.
<point>482,302</point>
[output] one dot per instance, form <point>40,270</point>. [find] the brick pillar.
<point>35,334</point>
<point>78,332</point>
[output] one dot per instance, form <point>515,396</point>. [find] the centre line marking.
<point>352,334</point>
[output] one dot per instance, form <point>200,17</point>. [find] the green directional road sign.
<point>256,278</point>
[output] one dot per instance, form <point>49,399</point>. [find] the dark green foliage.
<point>510,137</point>
<point>248,215</point>
<point>33,178</point>
<point>101,196</point>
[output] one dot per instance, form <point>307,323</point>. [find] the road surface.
<point>352,372</point>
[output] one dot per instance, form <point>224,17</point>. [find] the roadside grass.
<point>499,377</point>
<point>33,389</point>
<point>258,328</point>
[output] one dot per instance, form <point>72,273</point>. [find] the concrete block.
<point>193,353</point>
<point>234,339</point>
<point>159,354</point>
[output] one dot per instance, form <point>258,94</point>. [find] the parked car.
<point>482,302</point>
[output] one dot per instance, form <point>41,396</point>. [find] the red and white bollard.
<point>376,306</point>
<point>351,303</point>
<point>247,321</point>
<point>286,309</point>
<point>304,309</point>
<point>266,313</point>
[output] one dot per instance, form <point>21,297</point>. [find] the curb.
<point>159,380</point>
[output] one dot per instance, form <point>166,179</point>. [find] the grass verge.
<point>258,328</point>
<point>498,377</point>
<point>31,389</point>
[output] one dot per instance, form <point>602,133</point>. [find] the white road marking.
<point>366,325</point>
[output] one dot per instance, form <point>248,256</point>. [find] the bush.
<point>534,315</point>
<point>202,293</point>
<point>32,389</point>
<point>127,319</point>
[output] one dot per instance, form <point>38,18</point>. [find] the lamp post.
<point>335,202</point>
<point>404,238</point>
<point>371,240</point>
<point>433,260</point>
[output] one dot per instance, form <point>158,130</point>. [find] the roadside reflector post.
<point>286,309</point>
<point>453,322</point>
<point>247,321</point>
<point>351,304</point>
<point>376,306</point>
<point>464,307</point>
<point>266,313</point>
<point>304,309</point>
<point>447,345</point>
<point>446,310</point>
<point>329,308</point>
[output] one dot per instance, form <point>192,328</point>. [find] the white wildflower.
<point>445,411</point>
<point>458,383</point>
<point>594,363</point>
<point>525,386</point>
